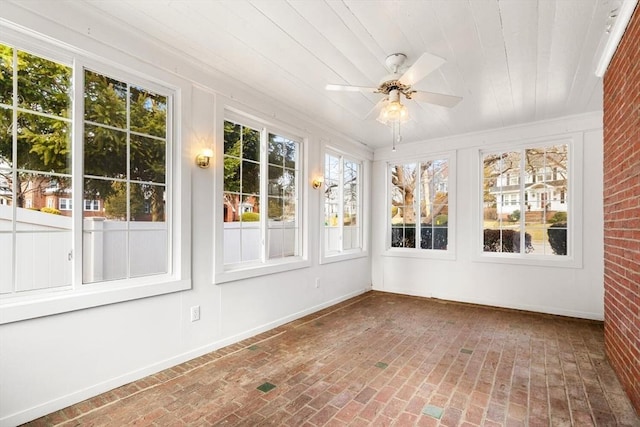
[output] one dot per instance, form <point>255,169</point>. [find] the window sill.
<point>342,256</point>
<point>240,272</point>
<point>448,255</point>
<point>15,309</point>
<point>559,261</point>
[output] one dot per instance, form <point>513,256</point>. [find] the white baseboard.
<point>559,311</point>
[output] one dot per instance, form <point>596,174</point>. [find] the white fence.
<point>43,243</point>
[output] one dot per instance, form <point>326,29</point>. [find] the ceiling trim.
<point>617,31</point>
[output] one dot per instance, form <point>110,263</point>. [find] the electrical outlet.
<point>317,282</point>
<point>195,313</point>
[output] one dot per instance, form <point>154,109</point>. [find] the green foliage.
<point>515,216</point>
<point>250,217</point>
<point>48,210</point>
<point>505,241</point>
<point>558,237</point>
<point>44,143</point>
<point>115,205</point>
<point>559,216</point>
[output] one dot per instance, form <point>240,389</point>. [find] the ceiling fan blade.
<point>419,70</point>
<point>348,88</point>
<point>436,98</point>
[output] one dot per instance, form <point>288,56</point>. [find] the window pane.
<point>250,177</point>
<point>44,85</point>
<point>276,209</point>
<point>146,203</point>
<point>6,251</point>
<point>6,138</point>
<point>148,246</point>
<point>251,144</point>
<point>250,211</point>
<point>291,154</point>
<point>231,204</point>
<point>276,150</point>
<point>231,174</point>
<point>105,152</point>
<point>232,139</point>
<point>105,100</point>
<point>126,173</point>
<point>148,157</point>
<point>44,144</point>
<point>104,250</point>
<point>6,75</point>
<point>276,180</point>
<point>42,256</point>
<point>148,112</point>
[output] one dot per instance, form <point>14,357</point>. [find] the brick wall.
<point>622,210</point>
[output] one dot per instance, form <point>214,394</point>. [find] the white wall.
<point>567,291</point>
<point>50,362</point>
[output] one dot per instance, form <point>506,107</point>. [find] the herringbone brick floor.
<point>379,360</point>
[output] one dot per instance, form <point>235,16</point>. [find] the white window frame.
<point>360,252</point>
<point>76,296</point>
<point>65,204</point>
<point>224,273</point>
<point>94,205</point>
<point>446,254</point>
<point>573,259</point>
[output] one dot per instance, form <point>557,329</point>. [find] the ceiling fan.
<point>395,84</point>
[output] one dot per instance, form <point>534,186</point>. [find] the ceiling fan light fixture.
<point>393,112</point>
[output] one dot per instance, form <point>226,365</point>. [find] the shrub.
<point>50,210</point>
<point>430,237</point>
<point>250,217</point>
<point>505,241</point>
<point>558,237</point>
<point>559,216</point>
<point>515,216</point>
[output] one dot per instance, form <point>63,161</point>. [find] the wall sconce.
<point>203,158</point>
<point>317,182</point>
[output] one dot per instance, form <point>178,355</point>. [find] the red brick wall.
<point>622,211</point>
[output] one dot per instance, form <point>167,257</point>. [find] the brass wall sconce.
<point>317,182</point>
<point>203,159</point>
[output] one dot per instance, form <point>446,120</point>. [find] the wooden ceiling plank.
<point>519,27</point>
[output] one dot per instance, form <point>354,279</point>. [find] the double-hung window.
<point>99,149</point>
<point>342,205</point>
<point>261,197</point>
<point>526,201</point>
<point>420,208</point>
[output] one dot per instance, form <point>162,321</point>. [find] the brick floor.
<point>383,359</point>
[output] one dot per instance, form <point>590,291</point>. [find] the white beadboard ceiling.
<point>513,61</point>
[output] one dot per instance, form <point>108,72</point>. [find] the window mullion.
<point>77,177</point>
<point>341,203</point>
<point>263,195</point>
<point>417,205</point>
<point>14,175</point>
<point>522,173</point>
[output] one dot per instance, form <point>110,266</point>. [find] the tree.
<point>43,142</point>
<point>241,167</point>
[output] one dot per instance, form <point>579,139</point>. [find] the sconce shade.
<point>203,159</point>
<point>317,182</point>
